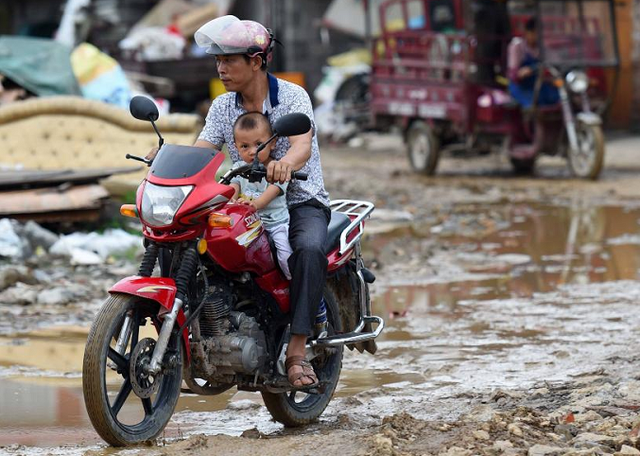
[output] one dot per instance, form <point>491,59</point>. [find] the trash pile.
<point>46,278</point>
<point>22,241</point>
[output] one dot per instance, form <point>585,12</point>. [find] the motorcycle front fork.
<point>187,269</point>
<point>163,338</point>
<point>569,119</point>
<point>123,339</point>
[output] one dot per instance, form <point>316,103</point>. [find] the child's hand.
<point>248,202</point>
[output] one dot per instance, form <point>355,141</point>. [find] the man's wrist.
<point>287,162</point>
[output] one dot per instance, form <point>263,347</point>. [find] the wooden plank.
<point>51,200</point>
<point>41,178</point>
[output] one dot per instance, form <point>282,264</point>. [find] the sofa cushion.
<point>75,133</point>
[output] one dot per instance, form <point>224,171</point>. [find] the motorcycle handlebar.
<point>140,159</point>
<point>258,174</point>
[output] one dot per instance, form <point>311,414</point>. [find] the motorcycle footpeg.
<point>320,388</point>
<point>283,385</point>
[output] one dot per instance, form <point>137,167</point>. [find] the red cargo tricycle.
<point>439,73</point>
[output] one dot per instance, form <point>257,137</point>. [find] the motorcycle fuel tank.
<point>244,245</point>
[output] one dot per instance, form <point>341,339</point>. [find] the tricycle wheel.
<point>423,148</point>
<point>523,167</point>
<point>586,162</point>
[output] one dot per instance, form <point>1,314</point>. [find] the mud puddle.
<point>484,298</point>
<point>495,251</point>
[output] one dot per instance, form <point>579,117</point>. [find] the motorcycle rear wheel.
<point>296,408</point>
<point>113,403</point>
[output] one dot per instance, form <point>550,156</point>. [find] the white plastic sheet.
<point>94,248</point>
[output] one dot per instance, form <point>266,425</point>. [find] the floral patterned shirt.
<point>283,98</point>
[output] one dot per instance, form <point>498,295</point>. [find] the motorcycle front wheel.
<point>297,408</point>
<point>586,162</point>
<point>126,406</point>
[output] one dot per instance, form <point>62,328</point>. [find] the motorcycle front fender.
<point>158,289</point>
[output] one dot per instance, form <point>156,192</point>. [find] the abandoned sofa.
<point>66,132</point>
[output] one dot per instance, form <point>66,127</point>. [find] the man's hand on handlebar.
<point>279,171</point>
<point>256,175</point>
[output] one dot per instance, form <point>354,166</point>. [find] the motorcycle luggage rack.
<point>352,208</point>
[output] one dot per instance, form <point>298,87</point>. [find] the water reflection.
<point>542,248</point>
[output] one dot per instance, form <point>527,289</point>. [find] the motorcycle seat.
<point>339,221</point>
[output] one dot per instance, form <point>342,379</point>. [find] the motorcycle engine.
<point>231,342</point>
<point>214,316</point>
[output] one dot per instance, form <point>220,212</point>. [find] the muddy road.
<point>512,312</point>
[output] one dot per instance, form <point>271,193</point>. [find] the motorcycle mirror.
<point>292,124</point>
<point>142,108</point>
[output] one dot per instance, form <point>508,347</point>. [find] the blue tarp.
<point>40,65</point>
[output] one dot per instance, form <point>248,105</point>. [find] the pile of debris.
<point>54,196</point>
<point>22,241</point>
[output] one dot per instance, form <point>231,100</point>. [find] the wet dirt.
<point>511,307</point>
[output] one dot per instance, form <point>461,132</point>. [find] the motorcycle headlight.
<point>160,204</point>
<point>577,81</point>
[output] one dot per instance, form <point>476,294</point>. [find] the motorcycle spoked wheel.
<point>126,411</point>
<point>587,161</point>
<point>297,408</point>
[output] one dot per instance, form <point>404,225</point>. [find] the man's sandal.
<point>307,371</point>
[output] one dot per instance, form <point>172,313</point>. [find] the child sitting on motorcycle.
<point>250,131</point>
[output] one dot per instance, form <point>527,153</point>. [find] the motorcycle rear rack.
<point>353,208</point>
<point>356,335</point>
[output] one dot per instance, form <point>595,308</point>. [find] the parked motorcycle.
<point>217,316</point>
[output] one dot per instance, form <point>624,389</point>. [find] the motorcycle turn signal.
<point>129,210</point>
<point>217,220</point>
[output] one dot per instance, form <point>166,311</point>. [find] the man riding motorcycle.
<point>242,50</point>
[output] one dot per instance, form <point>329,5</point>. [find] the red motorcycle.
<point>217,315</point>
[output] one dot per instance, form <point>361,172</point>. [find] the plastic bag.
<point>100,76</point>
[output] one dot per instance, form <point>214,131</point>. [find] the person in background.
<point>523,59</point>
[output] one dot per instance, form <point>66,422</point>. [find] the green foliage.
<point>132,254</point>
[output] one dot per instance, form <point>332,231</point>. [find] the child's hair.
<point>251,120</point>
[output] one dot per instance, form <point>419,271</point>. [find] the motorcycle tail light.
<point>129,210</point>
<point>217,220</point>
